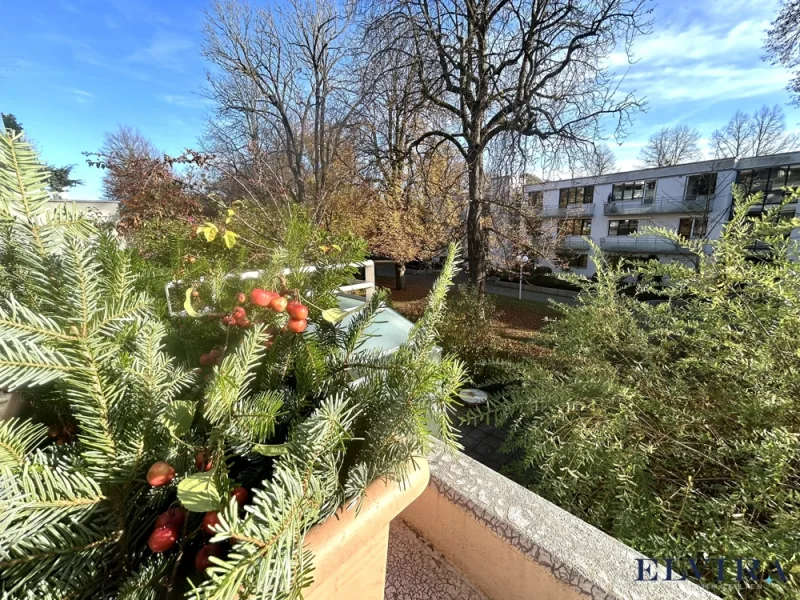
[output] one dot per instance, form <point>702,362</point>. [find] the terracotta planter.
<point>350,550</point>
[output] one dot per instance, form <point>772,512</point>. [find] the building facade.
<point>694,199</point>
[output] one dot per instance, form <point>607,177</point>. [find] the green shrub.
<point>467,328</point>
<point>676,427</point>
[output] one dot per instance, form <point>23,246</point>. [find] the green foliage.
<point>467,329</point>
<point>674,426</point>
<point>307,421</point>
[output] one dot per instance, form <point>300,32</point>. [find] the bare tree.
<point>287,74</point>
<point>783,43</point>
<point>531,67</point>
<point>598,160</point>
<point>759,134</point>
<point>671,146</point>
<point>735,139</point>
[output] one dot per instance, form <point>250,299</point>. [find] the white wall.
<point>106,209</point>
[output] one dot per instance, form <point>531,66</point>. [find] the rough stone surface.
<point>416,571</point>
<point>575,552</point>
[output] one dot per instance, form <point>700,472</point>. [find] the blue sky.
<point>72,69</point>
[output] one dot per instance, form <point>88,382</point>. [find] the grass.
<point>513,328</point>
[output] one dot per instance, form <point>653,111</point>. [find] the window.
<point>634,190</point>
<point>623,227</point>
<point>575,227</point>
<point>701,187</point>
<point>692,227</point>
<point>770,182</point>
<point>579,262</point>
<point>576,195</point>
<point>536,199</point>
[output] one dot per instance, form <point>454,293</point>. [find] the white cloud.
<point>184,101</point>
<point>164,51</point>
<point>79,95</point>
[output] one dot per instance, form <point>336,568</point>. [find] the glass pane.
<point>613,228</point>
<point>777,178</point>
<point>759,183</point>
<point>633,226</point>
<point>638,190</point>
<point>563,197</point>
<point>587,227</point>
<point>700,225</point>
<point>649,190</point>
<point>685,227</point>
<point>588,194</point>
<point>793,179</point>
<point>773,197</point>
<point>618,189</point>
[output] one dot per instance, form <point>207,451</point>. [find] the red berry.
<point>174,517</point>
<point>240,494</point>
<point>71,429</point>
<point>238,313</point>
<point>195,294</point>
<point>278,304</point>
<point>226,320</point>
<point>297,325</point>
<point>54,431</point>
<point>163,538</point>
<point>215,352</point>
<point>243,323</point>
<point>210,520</point>
<point>160,473</point>
<point>261,297</point>
<point>241,298</point>
<point>201,559</point>
<point>297,310</point>
<point>206,360</point>
<point>200,460</point>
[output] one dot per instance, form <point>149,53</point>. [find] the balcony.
<point>473,534</point>
<point>570,210</point>
<point>575,242</point>
<point>641,245</point>
<point>664,206</point>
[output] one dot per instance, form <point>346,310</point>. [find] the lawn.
<point>514,325</point>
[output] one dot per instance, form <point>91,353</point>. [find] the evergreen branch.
<point>17,439</point>
<point>24,364</point>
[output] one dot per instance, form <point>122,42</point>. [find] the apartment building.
<point>694,199</point>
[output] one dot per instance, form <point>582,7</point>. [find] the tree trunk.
<point>399,276</point>
<point>476,241</point>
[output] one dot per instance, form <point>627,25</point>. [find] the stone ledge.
<point>576,553</point>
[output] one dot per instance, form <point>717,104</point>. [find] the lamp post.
<point>522,259</point>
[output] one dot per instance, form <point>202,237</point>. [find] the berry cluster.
<point>62,433</point>
<point>169,524</point>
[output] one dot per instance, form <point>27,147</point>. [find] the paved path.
<point>386,269</point>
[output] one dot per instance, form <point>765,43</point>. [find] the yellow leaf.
<point>229,239</point>
<point>209,230</point>
<point>231,212</point>
<point>337,247</point>
<point>187,305</point>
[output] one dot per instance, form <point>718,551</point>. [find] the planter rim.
<point>344,532</point>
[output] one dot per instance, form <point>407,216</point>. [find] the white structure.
<point>694,199</point>
<point>103,209</point>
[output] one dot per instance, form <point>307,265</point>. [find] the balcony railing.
<point>575,242</point>
<point>638,207</point>
<point>570,210</point>
<point>643,244</point>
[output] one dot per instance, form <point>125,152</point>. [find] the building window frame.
<point>772,187</point>
<point>695,227</point>
<point>617,229</point>
<point>710,182</point>
<point>628,191</point>
<point>582,194</point>
<point>575,227</point>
